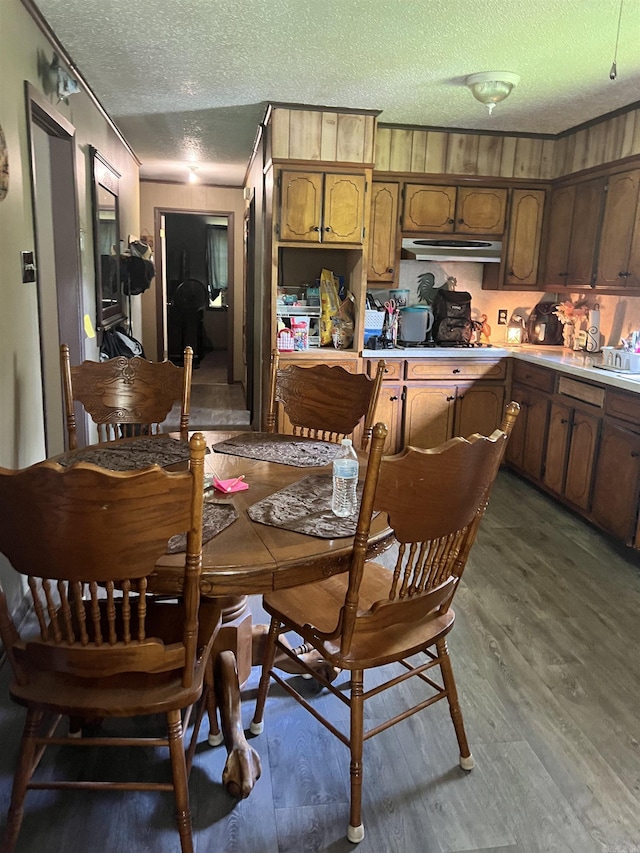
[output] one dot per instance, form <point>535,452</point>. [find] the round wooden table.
<point>252,558</point>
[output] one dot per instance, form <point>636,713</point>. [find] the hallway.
<point>214,403</point>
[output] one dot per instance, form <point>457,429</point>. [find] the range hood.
<point>478,251</point>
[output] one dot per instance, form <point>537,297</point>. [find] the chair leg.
<point>257,724</point>
<point>355,831</point>
<point>180,779</point>
<point>21,779</point>
<point>466,759</point>
<point>215,737</point>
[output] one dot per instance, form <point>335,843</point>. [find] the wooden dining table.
<point>248,558</point>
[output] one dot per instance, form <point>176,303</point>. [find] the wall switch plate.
<point>502,317</point>
<point>28,267</point>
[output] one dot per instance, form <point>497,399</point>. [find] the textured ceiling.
<point>188,81</point>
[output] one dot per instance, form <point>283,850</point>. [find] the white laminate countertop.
<point>579,364</point>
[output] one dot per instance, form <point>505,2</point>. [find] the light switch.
<point>28,267</point>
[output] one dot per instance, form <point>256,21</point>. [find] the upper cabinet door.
<point>618,232</point>
<point>559,235</point>
<point>382,232</point>
<point>301,206</point>
<point>344,201</point>
<point>523,242</point>
<point>584,232</point>
<point>429,208</point>
<point>481,210</point>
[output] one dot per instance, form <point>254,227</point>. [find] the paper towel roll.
<point>593,331</point>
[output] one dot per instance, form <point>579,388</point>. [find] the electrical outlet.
<point>502,317</point>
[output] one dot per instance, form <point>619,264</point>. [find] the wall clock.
<point>4,166</point>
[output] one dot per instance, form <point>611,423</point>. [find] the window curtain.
<point>217,259</point>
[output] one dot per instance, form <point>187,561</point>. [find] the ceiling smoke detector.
<point>491,87</point>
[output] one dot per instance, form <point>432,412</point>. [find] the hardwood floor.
<point>545,651</point>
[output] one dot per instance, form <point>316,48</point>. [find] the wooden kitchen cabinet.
<point>526,447</point>
<point>321,207</point>
<point>523,238</point>
<point>383,231</point>
<point>460,210</point>
<point>389,412</point>
<point>558,235</point>
<point>571,446</point>
<point>619,245</point>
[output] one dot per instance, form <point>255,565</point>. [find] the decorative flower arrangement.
<point>571,316</point>
<point>569,312</point>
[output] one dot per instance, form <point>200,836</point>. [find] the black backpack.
<point>452,323</point>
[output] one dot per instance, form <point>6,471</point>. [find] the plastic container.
<point>344,498</point>
<point>415,322</point>
<point>400,296</point>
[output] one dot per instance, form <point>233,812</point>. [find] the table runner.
<point>305,507</point>
<point>293,450</point>
<point>215,518</point>
<point>132,455</point>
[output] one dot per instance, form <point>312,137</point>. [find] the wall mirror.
<point>106,241</point>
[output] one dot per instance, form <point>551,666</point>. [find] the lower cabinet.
<point>528,440</point>
<point>572,442</point>
<point>617,482</point>
<point>425,412</point>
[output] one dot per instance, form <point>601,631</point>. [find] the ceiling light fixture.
<point>491,87</point>
<point>614,68</point>
<point>193,178</point>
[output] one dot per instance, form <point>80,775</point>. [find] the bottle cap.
<point>346,441</point>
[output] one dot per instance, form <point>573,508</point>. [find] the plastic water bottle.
<point>344,500</point>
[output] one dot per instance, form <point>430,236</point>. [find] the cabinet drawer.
<point>581,391</point>
<point>625,407</point>
<point>458,368</point>
<point>534,377</point>
<point>393,370</point>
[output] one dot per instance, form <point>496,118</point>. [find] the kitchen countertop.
<point>579,364</point>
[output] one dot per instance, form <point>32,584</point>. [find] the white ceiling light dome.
<point>491,87</point>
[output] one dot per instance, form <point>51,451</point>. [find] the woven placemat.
<point>305,507</point>
<point>132,455</point>
<point>215,518</point>
<point>286,449</point>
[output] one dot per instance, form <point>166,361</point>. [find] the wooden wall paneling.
<point>383,149</point>
<point>489,155</point>
<point>401,143</point>
<point>329,136</point>
<point>462,154</point>
<point>419,151</point>
<point>350,141</point>
<point>508,156</point>
<point>626,146</point>
<point>547,159</point>
<point>305,130</point>
<point>581,143</point>
<point>636,134</point>
<point>527,158</point>
<point>279,124</point>
<point>369,138</point>
<point>613,140</point>
<point>597,142</point>
<point>435,161</point>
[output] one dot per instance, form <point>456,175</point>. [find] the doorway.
<point>53,192</point>
<point>194,265</point>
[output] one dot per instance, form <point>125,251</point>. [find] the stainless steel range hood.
<point>478,251</point>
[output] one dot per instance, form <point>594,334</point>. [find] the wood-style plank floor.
<point>545,650</point>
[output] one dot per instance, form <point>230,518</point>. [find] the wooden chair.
<point>87,539</point>
<point>374,616</point>
<point>122,393</point>
<point>322,401</point>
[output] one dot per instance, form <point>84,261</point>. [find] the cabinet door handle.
<point>623,275</point>
<point>449,399</point>
<point>456,370</point>
<point>390,269</point>
<point>393,399</point>
<point>317,228</point>
<point>511,273</point>
<point>564,274</point>
<point>460,221</point>
<point>635,454</point>
<point>451,221</point>
<point>563,420</point>
<point>460,396</point>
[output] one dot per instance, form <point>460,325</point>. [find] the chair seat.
<point>319,604</point>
